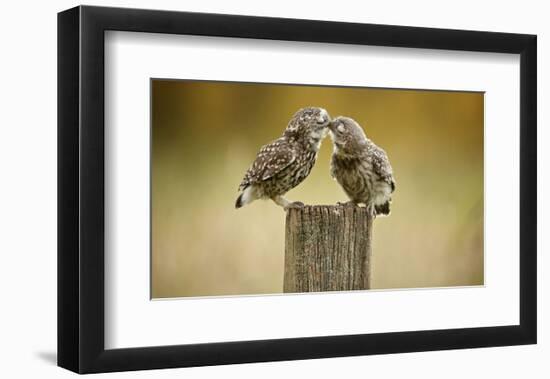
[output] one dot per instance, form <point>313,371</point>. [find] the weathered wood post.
<point>327,248</point>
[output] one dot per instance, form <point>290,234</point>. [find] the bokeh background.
<point>206,134</point>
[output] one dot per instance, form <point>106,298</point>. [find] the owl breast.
<point>356,178</point>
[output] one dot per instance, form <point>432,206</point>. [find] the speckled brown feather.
<point>361,168</point>
<point>284,163</point>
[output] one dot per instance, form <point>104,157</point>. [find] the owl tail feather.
<point>239,202</point>
<point>246,197</point>
<point>383,209</point>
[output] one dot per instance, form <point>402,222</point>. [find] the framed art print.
<point>242,189</point>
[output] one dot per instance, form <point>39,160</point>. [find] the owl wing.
<point>271,159</point>
<point>381,166</point>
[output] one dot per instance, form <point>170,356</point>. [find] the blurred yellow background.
<point>206,134</point>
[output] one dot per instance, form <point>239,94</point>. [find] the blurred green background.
<point>206,134</point>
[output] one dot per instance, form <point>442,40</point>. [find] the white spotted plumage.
<point>284,163</point>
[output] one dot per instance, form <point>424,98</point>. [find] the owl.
<point>361,168</point>
<point>284,163</point>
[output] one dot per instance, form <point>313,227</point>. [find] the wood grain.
<point>327,248</point>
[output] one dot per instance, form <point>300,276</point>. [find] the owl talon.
<point>295,204</point>
<point>371,210</point>
<point>346,204</point>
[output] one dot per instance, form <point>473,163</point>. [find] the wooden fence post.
<point>327,248</point>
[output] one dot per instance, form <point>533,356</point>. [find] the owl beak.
<point>323,118</point>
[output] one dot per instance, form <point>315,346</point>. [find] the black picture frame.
<point>81,189</point>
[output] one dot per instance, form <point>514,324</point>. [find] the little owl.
<point>360,167</point>
<point>284,163</point>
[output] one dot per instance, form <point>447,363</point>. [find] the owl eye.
<point>341,128</point>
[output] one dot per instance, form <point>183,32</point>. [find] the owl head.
<point>308,125</point>
<point>347,136</point>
